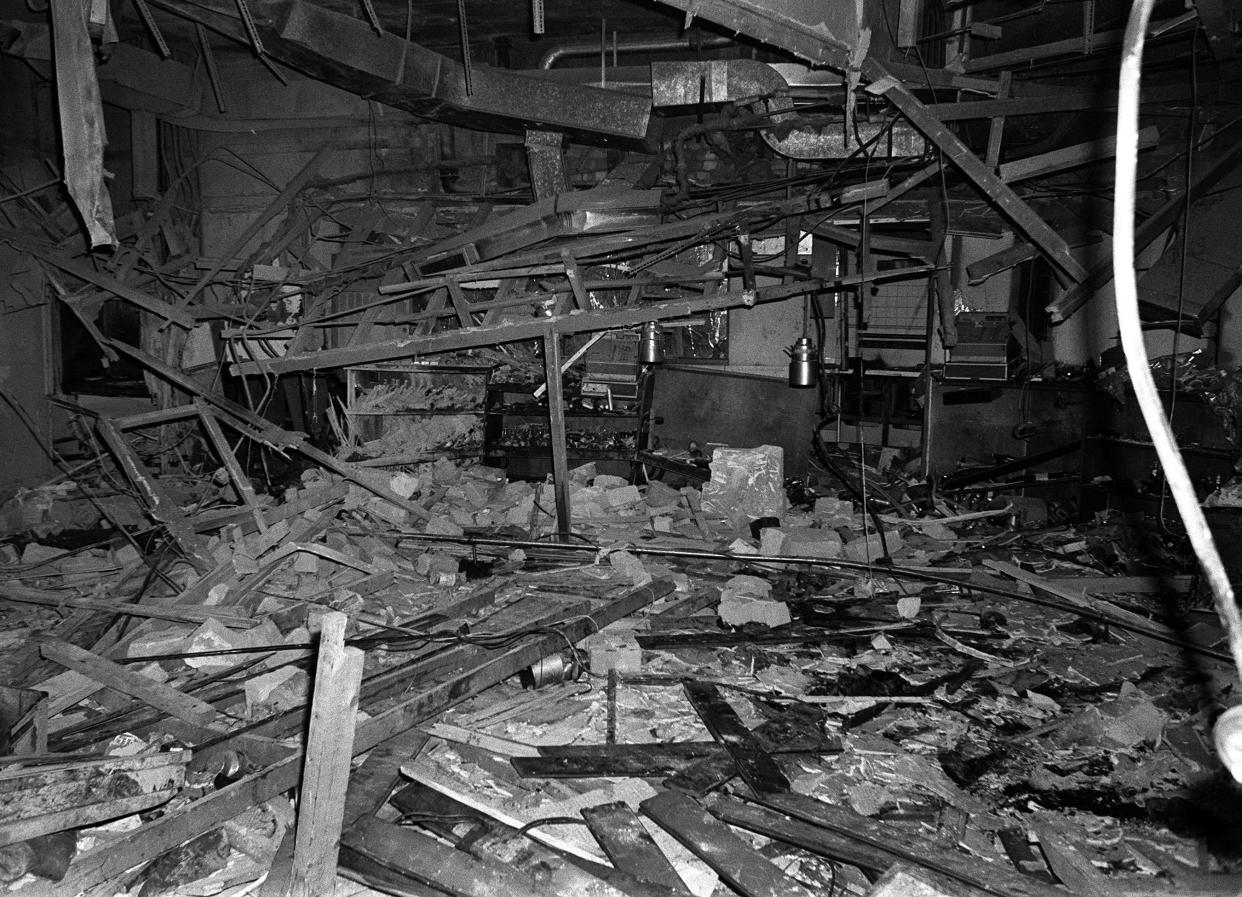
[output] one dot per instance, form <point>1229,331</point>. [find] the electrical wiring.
<point>1228,730</point>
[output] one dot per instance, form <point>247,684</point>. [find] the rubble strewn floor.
<point>987,708</point>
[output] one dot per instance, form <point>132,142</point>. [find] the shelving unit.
<point>517,434</point>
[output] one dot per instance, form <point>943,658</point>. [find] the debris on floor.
<point>816,700</point>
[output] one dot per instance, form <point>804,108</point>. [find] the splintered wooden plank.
<point>740,865</point>
<point>985,180</point>
<point>629,845</point>
<point>428,861</point>
<point>996,878</point>
<point>48,799</point>
<point>158,695</point>
<point>244,487</point>
<point>703,776</point>
<point>329,747</point>
<point>618,760</point>
<point>474,671</point>
<point>753,762</point>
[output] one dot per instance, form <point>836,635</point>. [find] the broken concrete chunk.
<point>630,566</point>
<point>771,541</point>
<point>614,648</point>
<point>583,474</point>
<point>278,690</point>
<point>622,497</point>
<point>738,610</point>
<point>871,548</point>
<point>813,542</point>
<point>34,553</point>
<point>608,481</point>
<point>746,481</point>
<point>403,484</point>
<point>443,526</point>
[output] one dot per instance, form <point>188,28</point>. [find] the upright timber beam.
<point>985,180</point>
<point>81,119</point>
<point>556,424</point>
<point>545,157</point>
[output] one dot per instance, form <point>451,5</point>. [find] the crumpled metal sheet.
<point>81,120</point>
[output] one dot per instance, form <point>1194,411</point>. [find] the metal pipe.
<point>632,45</point>
<point>832,565</point>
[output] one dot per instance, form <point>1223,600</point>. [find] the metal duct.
<point>347,53</point>
<point>749,82</point>
<point>632,45</point>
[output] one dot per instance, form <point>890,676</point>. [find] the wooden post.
<point>556,424</point>
<point>325,774</point>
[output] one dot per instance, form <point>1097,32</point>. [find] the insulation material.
<point>748,481</point>
<point>81,120</point>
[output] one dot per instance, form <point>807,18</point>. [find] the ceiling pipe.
<point>632,45</point>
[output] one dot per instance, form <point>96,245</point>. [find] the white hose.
<point>1228,733</point>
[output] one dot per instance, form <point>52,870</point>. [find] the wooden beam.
<point>986,182</point>
<point>242,482</point>
<point>81,121</point>
<point>741,866</point>
<point>81,271</point>
<point>602,319</point>
<point>325,773</point>
<point>556,425</point>
<point>753,762</point>
<point>1071,157</point>
<point>629,846</point>
<point>996,131</point>
<point>43,799</point>
<point>873,835</point>
<point>1151,228</point>
<point>150,691</point>
<point>159,504</point>
<point>261,429</point>
<point>277,205</point>
<point>430,698</point>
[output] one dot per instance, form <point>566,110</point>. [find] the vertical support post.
<point>325,773</point>
<point>556,426</point>
<point>545,156</point>
<point>996,131</point>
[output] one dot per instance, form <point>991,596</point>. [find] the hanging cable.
<point>1228,729</point>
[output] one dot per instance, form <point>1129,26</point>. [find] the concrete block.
<point>813,542</point>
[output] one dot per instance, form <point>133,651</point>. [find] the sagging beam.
<point>1070,157</point>
<point>1017,212</point>
<point>508,332</point>
<point>777,22</point>
<point>1147,232</point>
